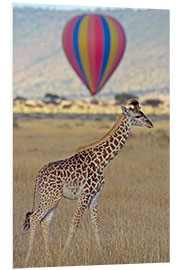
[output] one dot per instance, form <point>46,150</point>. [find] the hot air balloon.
<point>94,46</point>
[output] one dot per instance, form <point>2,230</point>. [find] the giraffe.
<point>80,177</point>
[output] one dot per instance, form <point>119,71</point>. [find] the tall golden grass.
<point>133,205</point>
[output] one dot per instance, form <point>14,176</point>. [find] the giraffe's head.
<point>136,116</point>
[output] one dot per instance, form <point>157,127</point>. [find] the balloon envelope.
<point>94,46</point>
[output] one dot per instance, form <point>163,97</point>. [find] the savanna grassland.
<point>133,204</point>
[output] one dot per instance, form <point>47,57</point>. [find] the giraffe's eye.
<point>138,116</point>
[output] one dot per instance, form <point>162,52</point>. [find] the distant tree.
<point>19,98</point>
<point>51,96</point>
<point>94,101</point>
<point>152,102</point>
<point>51,99</point>
<point>122,98</point>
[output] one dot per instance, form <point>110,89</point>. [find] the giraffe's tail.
<point>26,225</point>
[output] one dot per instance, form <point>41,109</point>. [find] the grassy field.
<point>133,205</point>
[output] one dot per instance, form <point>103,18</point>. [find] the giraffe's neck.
<point>103,153</point>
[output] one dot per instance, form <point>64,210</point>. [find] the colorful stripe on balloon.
<point>94,45</point>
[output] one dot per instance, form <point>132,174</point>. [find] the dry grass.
<point>133,205</point>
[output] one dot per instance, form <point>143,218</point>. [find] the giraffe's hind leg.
<point>42,215</point>
<point>45,231</point>
<point>33,224</point>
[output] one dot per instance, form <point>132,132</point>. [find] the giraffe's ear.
<point>126,111</point>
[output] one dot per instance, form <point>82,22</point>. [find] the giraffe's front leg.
<point>94,218</point>
<point>82,205</point>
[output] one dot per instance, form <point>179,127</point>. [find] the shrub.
<point>15,123</point>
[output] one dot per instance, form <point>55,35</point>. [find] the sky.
<point>59,7</point>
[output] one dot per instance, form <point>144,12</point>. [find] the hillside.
<point>40,66</point>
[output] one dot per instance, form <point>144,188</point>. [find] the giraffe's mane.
<point>107,135</point>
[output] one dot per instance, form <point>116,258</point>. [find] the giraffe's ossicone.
<point>80,177</point>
